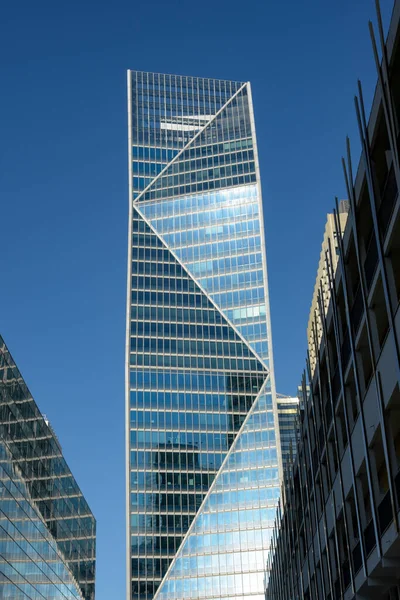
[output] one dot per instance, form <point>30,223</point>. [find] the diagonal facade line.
<point>206,294</point>
<point>175,159</point>
<point>212,486</point>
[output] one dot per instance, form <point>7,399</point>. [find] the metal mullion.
<point>351,192</point>
<point>304,388</point>
<point>342,382</point>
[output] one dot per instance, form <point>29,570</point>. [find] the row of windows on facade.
<point>205,563</point>
<point>220,165</point>
<point>192,362</point>
<point>178,524</point>
<point>241,246</point>
<point>185,105</point>
<point>233,124</point>
<point>228,401</point>
<point>153,106</point>
<point>218,283</point>
<point>188,421</point>
<point>200,218</point>
<point>180,330</point>
<point>196,381</point>
<point>152,169</point>
<point>226,232</point>
<point>167,91</point>
<point>178,85</point>
<point>250,298</point>
<point>205,543</point>
<point>161,138</point>
<point>166,155</point>
<point>211,441</point>
<point>237,246</point>
<point>225,269</point>
<point>240,227</point>
<point>227,418</point>
<point>154,79</point>
<point>192,316</point>
<point>195,187</point>
<point>233,267</point>
<point>227,299</point>
<point>236,499</point>
<point>229,519</point>
<point>155,545</point>
<point>179,457</point>
<point>183,482</point>
<point>167,345</point>
<point>232,231</point>
<point>207,202</point>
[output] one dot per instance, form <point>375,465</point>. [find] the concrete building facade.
<point>337,531</point>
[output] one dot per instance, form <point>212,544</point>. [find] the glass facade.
<point>202,435</point>
<point>47,531</point>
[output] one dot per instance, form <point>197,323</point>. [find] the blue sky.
<point>64,203</point>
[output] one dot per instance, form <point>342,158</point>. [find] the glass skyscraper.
<point>47,531</point>
<point>203,459</point>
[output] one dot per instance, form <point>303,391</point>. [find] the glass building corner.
<point>47,531</point>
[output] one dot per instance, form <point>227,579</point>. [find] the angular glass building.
<point>203,458</point>
<point>47,531</point>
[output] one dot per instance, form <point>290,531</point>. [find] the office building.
<point>330,240</point>
<point>47,531</point>
<point>337,532</point>
<point>203,460</point>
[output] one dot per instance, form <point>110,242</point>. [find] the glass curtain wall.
<point>202,431</point>
<point>47,531</point>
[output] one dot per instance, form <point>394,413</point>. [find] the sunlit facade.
<point>47,531</point>
<point>337,535</point>
<point>203,459</point>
